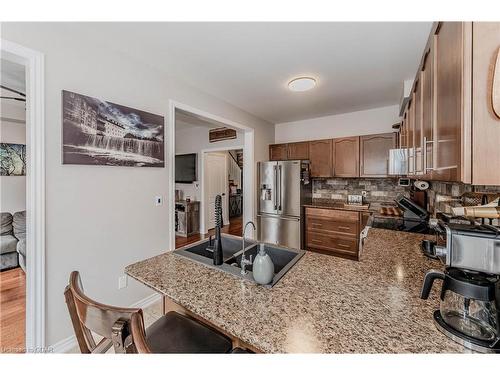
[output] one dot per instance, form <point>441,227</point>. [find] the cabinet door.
<point>320,156</point>
<point>417,130</point>
<point>403,133</point>
<point>365,216</point>
<point>410,138</point>
<point>428,112</point>
<point>298,151</point>
<point>346,157</point>
<point>449,48</point>
<point>278,152</point>
<point>486,103</point>
<point>374,154</point>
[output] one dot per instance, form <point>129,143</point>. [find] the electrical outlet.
<point>364,193</point>
<point>122,282</point>
<point>158,200</point>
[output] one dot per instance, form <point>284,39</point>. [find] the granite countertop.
<point>324,304</point>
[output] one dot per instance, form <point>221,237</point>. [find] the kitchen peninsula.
<point>324,304</point>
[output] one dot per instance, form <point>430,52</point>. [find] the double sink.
<point>232,250</point>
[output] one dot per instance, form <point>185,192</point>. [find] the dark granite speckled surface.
<point>324,304</point>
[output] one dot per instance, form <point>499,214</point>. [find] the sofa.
<point>12,240</point>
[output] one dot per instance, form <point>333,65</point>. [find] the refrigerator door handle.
<point>279,169</point>
<point>275,187</point>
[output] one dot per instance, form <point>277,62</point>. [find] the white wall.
<point>372,121</point>
<point>12,188</point>
<point>193,139</point>
<point>100,219</point>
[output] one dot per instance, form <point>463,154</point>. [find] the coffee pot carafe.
<point>469,310</point>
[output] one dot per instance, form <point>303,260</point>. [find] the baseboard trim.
<point>69,344</point>
<point>148,301</point>
<point>66,345</point>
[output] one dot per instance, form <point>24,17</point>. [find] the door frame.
<point>35,190</point>
<point>249,172</point>
<point>203,222</point>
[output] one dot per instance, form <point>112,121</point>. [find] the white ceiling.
<point>358,65</point>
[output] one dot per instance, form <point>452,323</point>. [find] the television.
<point>185,168</point>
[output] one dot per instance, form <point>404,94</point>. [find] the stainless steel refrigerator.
<point>284,186</point>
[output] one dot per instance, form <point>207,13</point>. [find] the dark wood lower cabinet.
<point>334,232</point>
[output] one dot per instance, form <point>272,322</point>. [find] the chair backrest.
<point>89,316</point>
<point>137,335</point>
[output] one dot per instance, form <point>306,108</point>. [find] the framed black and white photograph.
<point>12,159</point>
<point>97,132</point>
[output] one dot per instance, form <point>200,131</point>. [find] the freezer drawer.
<point>281,231</point>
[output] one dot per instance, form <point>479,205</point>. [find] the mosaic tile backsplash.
<point>378,190</point>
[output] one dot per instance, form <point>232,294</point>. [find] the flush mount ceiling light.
<point>302,84</point>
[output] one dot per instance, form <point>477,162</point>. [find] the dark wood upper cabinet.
<point>320,155</point>
<point>427,79</point>
<point>298,151</point>
<point>278,152</point>
<point>486,103</point>
<point>417,135</point>
<point>346,157</point>
<point>374,154</point>
<point>449,47</point>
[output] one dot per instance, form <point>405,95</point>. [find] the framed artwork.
<point>96,132</point>
<point>12,159</point>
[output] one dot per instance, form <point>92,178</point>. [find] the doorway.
<point>189,135</point>
<point>223,171</point>
<point>215,168</point>
<point>13,207</point>
<point>33,259</point>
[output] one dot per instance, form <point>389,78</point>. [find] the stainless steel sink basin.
<point>280,257</point>
<point>283,258</point>
<point>230,246</point>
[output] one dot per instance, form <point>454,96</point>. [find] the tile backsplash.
<point>443,195</point>
<point>378,190</point>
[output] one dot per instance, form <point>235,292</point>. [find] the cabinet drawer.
<point>325,213</point>
<point>330,225</point>
<point>338,244</point>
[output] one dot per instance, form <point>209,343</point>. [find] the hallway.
<point>234,228</point>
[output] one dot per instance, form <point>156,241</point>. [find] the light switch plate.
<point>122,282</point>
<point>158,200</point>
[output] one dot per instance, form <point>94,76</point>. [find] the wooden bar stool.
<point>172,333</point>
<point>139,342</point>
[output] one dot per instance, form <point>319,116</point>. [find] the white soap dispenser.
<point>263,267</point>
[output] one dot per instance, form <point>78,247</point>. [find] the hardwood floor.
<point>12,310</point>
<point>234,228</point>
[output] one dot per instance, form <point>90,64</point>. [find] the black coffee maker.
<point>469,310</point>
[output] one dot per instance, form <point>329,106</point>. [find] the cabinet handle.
<point>495,88</point>
<point>317,224</point>
<point>345,228</point>
<point>426,168</point>
<point>316,241</point>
